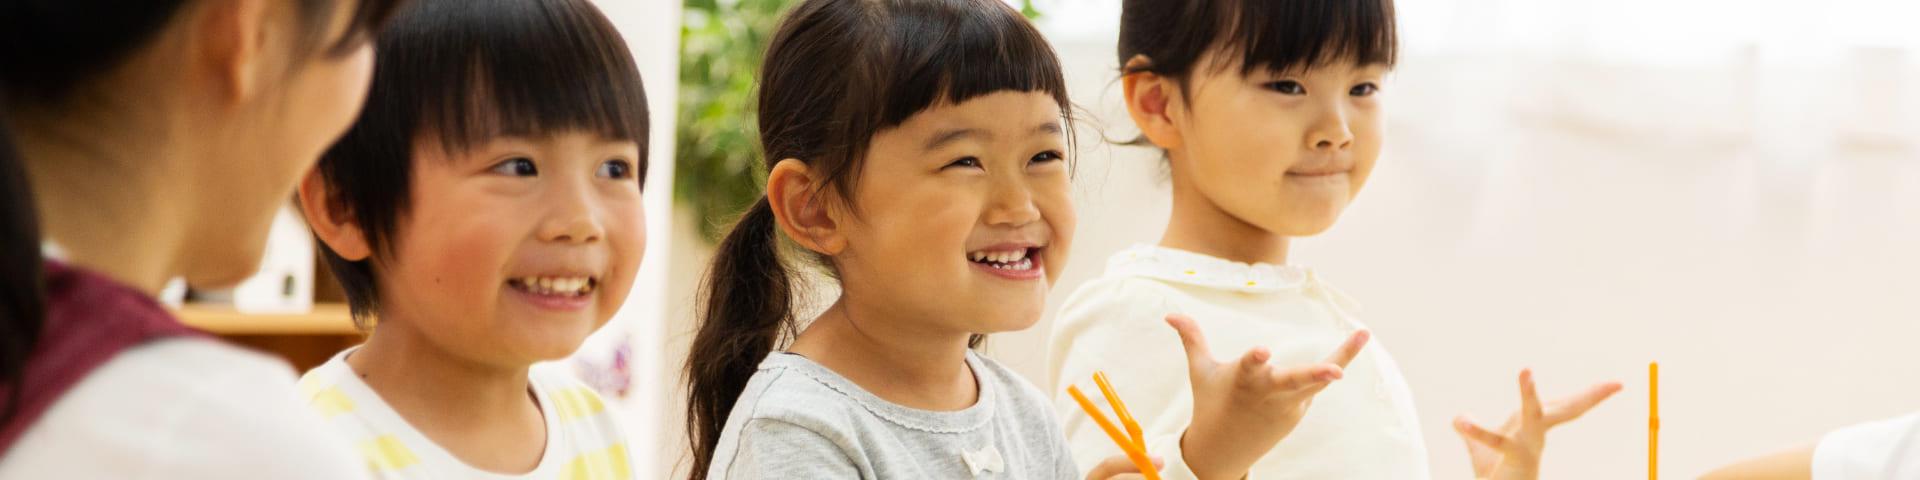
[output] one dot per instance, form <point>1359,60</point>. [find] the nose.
<point>572,217</point>
<point>1329,131</point>
<point>1010,201</point>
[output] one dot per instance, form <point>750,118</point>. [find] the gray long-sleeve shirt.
<point>798,420</point>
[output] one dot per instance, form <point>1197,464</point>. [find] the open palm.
<point>1513,452</point>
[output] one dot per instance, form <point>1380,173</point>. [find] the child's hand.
<point>1514,452</point>
<point>1241,410</point>
<point>1119,467</point>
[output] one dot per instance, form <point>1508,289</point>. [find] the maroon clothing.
<point>90,319</point>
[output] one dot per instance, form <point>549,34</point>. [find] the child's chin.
<point>1307,222</point>
<point>1007,321</point>
<point>550,343</point>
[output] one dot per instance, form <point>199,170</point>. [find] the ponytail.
<point>747,307</point>
<point>23,296</point>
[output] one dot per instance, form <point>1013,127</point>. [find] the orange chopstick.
<point>1133,443</point>
<point>1120,410</point>
<point>1653,421</point>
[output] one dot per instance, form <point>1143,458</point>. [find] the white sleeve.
<point>1118,328</point>
<point>1886,449</point>
<point>184,409</point>
<point>250,427</point>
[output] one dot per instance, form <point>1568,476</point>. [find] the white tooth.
<point>1020,254</point>
<point>546,283</point>
<point>1000,257</point>
<point>973,256</point>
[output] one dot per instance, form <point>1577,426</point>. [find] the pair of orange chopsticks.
<point>1132,442</point>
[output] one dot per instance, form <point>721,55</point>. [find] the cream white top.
<point>1361,427</point>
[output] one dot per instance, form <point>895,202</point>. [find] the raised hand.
<point>1513,452</point>
<point>1243,408</point>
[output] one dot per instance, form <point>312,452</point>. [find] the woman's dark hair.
<point>465,72</point>
<point>1278,34</point>
<point>836,72</point>
<point>49,50</point>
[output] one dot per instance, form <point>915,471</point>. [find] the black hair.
<point>50,50</point>
<point>466,71</point>
<point>1275,34</point>
<point>836,72</point>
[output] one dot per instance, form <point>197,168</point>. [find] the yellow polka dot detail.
<point>576,402</point>
<point>386,453</point>
<point>609,464</point>
<point>331,402</point>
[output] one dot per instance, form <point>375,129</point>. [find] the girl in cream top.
<point>1361,427</point>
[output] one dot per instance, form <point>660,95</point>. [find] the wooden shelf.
<point>325,319</point>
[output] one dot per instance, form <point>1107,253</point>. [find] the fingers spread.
<point>1191,339</point>
<point>1476,434</point>
<point>1573,407</point>
<point>1529,398</point>
<point>1349,349</point>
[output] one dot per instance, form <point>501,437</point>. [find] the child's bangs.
<point>538,68</point>
<point>1281,35</point>
<point>953,53</point>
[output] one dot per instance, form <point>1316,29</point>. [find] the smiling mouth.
<point>555,286</point>
<point>1015,260</point>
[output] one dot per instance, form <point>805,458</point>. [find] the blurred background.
<point>1730,188</point>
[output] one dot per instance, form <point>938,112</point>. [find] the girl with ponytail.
<point>916,154</point>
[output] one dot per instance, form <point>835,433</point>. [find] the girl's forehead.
<point>998,110</point>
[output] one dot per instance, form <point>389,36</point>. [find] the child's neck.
<point>1200,226</point>
<point>483,414</point>
<point>896,361</point>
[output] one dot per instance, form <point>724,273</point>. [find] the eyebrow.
<point>945,137</point>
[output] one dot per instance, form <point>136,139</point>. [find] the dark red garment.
<point>90,318</point>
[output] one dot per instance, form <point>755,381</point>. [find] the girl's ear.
<point>1149,97</point>
<point>330,219</point>
<point>231,38</point>
<point>800,209</point>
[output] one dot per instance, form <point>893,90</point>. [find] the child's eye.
<point>1364,90</point>
<point>1047,156</point>
<point>968,162</point>
<point>615,169</point>
<point>1288,87</point>
<point>517,166</point>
